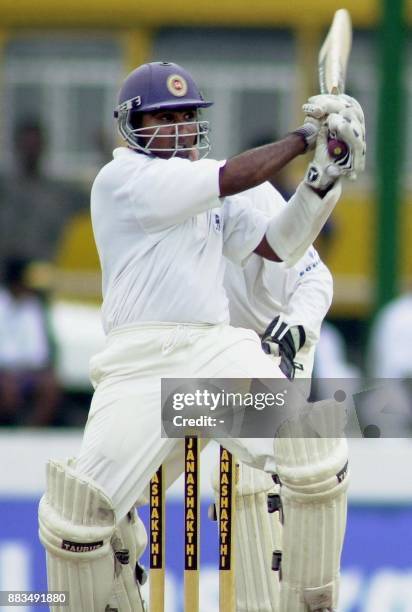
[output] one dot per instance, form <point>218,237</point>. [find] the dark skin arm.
<point>265,250</point>
<point>256,166</point>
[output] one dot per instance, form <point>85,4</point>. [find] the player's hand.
<point>322,105</point>
<point>348,126</point>
<point>323,170</point>
<point>284,341</point>
<point>309,132</point>
<point>346,123</point>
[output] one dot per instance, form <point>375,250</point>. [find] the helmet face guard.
<point>142,138</point>
<point>155,87</point>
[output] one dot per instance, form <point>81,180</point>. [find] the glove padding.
<point>284,341</point>
<point>349,127</point>
<point>323,170</point>
<point>344,120</point>
<point>317,108</point>
<point>322,105</point>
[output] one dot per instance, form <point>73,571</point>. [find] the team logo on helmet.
<point>177,85</point>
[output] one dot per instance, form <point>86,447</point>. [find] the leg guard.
<point>128,542</point>
<point>258,534</point>
<point>77,522</point>
<point>313,473</point>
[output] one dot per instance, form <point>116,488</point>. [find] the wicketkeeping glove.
<point>284,341</point>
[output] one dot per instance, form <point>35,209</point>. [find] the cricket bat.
<point>332,65</point>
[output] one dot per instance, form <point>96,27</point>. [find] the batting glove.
<point>346,122</point>
<point>323,170</point>
<point>309,132</point>
<point>318,107</point>
<point>348,126</point>
<point>284,341</point>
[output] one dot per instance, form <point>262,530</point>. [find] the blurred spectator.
<point>34,208</point>
<point>390,341</point>
<point>331,358</point>
<point>29,394</point>
<point>390,363</point>
<point>332,370</point>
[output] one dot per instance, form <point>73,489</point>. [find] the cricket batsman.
<point>164,218</point>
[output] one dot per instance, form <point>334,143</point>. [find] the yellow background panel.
<point>132,13</point>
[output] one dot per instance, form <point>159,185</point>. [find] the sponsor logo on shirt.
<point>311,266</point>
<point>217,222</point>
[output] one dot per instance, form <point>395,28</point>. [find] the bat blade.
<point>334,54</point>
<point>332,65</point>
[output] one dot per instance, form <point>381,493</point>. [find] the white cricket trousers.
<point>122,446</point>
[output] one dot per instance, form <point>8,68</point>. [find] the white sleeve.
<point>311,294</point>
<point>266,198</point>
<point>309,284</point>
<point>292,231</point>
<point>167,192</point>
<point>243,228</point>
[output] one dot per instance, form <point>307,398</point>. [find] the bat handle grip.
<point>337,148</point>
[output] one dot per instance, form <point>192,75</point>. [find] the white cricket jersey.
<point>263,289</point>
<point>160,229</point>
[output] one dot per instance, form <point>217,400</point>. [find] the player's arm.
<point>256,166</point>
<point>310,298</point>
<point>338,115</point>
<point>291,233</point>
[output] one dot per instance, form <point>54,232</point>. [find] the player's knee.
<point>76,519</point>
<point>313,469</point>
<point>76,526</point>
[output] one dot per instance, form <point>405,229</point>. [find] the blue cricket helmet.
<point>156,86</point>
<point>160,85</point>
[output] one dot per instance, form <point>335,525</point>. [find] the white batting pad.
<point>76,522</point>
<point>258,534</point>
<point>314,477</point>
